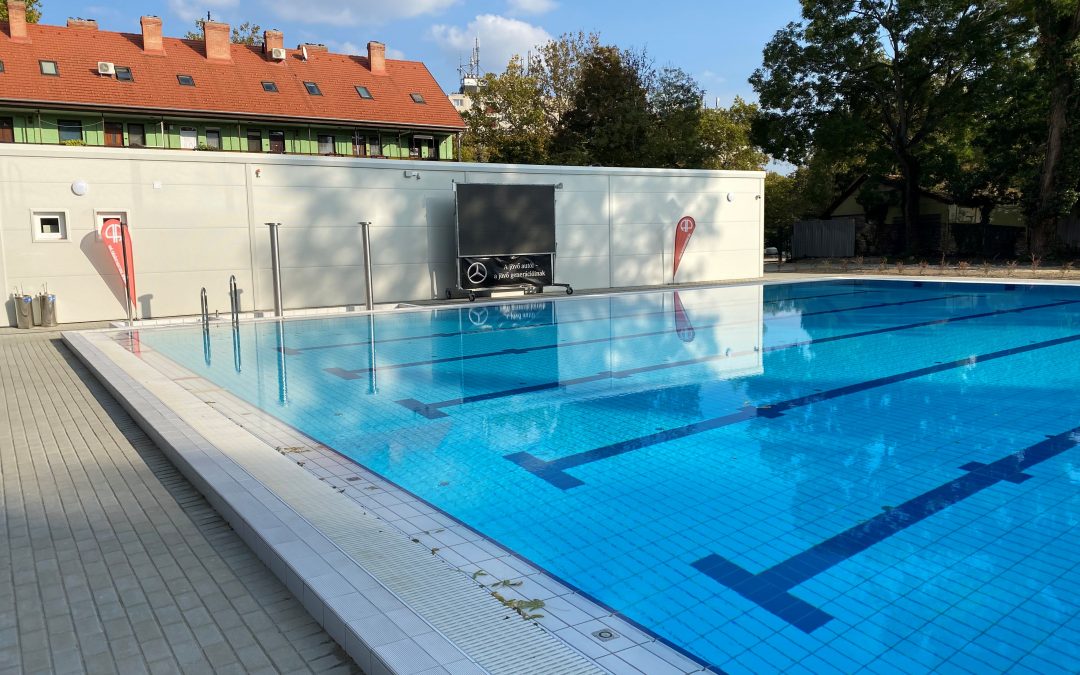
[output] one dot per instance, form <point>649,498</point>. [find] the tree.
<point>1052,192</point>
<point>247,33</point>
<point>889,73</point>
<point>726,138</point>
<point>675,140</point>
<point>33,11</point>
<point>556,66</point>
<point>609,122</point>
<point>507,120</point>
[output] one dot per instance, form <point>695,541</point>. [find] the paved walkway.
<point>110,559</point>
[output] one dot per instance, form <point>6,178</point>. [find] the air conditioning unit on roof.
<point>106,68</point>
<point>278,54</point>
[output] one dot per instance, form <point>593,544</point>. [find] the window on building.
<point>213,138</point>
<point>364,92</point>
<point>326,144</point>
<point>359,144</point>
<point>254,140</point>
<point>185,80</point>
<point>114,134</point>
<point>49,225</point>
<point>269,86</point>
<point>312,88</point>
<point>7,130</point>
<point>375,145</point>
<point>277,142</point>
<point>136,135</point>
<point>1,66</point>
<point>123,73</point>
<point>48,68</point>
<point>417,98</point>
<point>70,130</point>
<point>422,147</point>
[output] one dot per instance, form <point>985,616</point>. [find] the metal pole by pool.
<point>365,230</point>
<point>275,265</point>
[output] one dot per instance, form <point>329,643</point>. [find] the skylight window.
<point>363,91</point>
<point>270,87</point>
<point>417,98</point>
<point>185,80</point>
<point>123,73</point>
<point>312,88</point>
<point>49,68</point>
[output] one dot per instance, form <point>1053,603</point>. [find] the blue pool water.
<point>819,477</point>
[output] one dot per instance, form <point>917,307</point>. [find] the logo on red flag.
<point>117,240</point>
<point>683,231</point>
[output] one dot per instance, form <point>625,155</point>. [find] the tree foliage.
<point>726,141</point>
<point>885,74</point>
<point>33,11</point>
<point>507,122</point>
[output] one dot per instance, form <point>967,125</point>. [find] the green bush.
<point>73,141</point>
<point>205,147</point>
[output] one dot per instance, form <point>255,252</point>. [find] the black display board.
<point>503,220</point>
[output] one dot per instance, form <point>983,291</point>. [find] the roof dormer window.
<point>185,80</point>
<point>364,92</point>
<point>123,73</point>
<point>269,87</point>
<point>312,88</point>
<point>49,68</point>
<point>417,98</point>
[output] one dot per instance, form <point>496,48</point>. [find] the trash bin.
<point>24,311</point>
<point>47,309</point>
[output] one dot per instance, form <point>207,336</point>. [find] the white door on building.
<point>189,138</point>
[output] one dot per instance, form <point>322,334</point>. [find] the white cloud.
<point>392,53</point>
<point>190,10</point>
<point>500,38</point>
<point>353,12</point>
<point>532,6</point>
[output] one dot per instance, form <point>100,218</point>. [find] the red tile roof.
<point>221,89</point>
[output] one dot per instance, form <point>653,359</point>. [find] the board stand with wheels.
<point>505,239</point>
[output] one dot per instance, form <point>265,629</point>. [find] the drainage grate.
<point>605,635</point>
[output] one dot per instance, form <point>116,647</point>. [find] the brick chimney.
<point>17,21</point>
<point>89,24</point>
<point>216,35</point>
<point>272,39</point>
<point>151,35</point>
<point>376,56</point>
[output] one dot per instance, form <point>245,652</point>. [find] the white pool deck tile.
<point>308,513</point>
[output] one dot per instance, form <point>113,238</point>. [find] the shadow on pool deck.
<point>112,561</point>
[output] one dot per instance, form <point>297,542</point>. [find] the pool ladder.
<point>234,313</point>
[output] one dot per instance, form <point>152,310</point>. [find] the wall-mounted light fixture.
<point>731,196</point>
<point>80,188</point>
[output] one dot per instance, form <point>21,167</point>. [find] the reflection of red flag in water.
<point>684,229</point>
<point>683,328</point>
<point>117,238</point>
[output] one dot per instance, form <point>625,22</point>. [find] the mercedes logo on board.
<point>477,273</point>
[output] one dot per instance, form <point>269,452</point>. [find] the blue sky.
<point>718,42</point>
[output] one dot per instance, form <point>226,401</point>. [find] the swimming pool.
<point>818,476</point>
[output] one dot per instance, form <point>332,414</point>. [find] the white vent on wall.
<point>106,68</point>
<point>277,53</point>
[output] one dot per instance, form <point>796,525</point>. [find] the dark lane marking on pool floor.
<point>771,588</point>
<point>294,351</point>
<point>358,373</point>
<point>554,471</point>
<point>434,410</point>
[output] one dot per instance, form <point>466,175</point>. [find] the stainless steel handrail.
<point>365,233</point>
<point>234,300</point>
<point>204,308</point>
<point>275,265</point>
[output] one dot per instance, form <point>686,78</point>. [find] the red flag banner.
<point>684,229</point>
<point>117,240</point>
